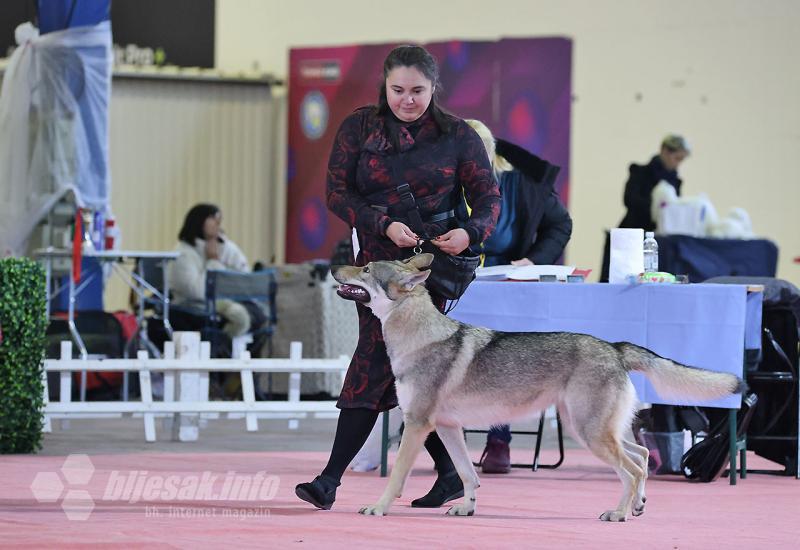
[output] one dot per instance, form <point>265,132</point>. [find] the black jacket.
<point>546,224</point>
<point>638,191</point>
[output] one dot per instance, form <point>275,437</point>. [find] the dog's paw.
<point>613,515</point>
<point>374,510</point>
<point>462,509</point>
<point>638,507</point>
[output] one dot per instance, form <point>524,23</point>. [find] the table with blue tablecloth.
<point>703,325</point>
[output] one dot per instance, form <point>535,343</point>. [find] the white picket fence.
<point>185,407</point>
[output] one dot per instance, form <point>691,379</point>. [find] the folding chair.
<point>153,296</point>
<point>103,337</point>
<point>258,288</point>
<point>388,440</point>
<point>539,432</point>
<point>775,376</point>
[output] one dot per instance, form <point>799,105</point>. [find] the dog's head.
<point>379,284</point>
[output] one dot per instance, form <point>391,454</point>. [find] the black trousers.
<point>352,431</point>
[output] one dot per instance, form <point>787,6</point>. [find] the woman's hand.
<point>212,249</point>
<point>401,235</point>
<point>523,261</point>
<point>453,242</point>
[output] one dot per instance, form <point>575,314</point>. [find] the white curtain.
<point>53,128</point>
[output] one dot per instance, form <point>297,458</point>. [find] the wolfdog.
<point>449,374</point>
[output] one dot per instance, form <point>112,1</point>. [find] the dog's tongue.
<point>353,292</point>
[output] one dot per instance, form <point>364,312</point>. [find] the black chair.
<point>538,434</point>
<point>773,376</point>
<point>155,322</point>
<point>100,331</point>
<point>103,336</point>
<point>158,322</point>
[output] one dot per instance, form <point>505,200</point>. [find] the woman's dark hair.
<point>419,58</point>
<point>195,219</point>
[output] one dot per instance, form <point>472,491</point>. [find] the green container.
<point>656,277</point>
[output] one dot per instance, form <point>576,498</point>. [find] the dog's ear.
<point>408,282</point>
<point>420,261</point>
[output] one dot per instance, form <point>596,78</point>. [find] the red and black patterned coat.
<point>362,172</point>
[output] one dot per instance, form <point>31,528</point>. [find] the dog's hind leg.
<point>599,419</point>
<point>640,455</point>
<point>453,439</point>
<point>610,450</point>
<point>637,453</point>
<point>414,436</point>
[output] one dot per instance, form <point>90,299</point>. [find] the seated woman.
<point>203,247</point>
<point>533,228</point>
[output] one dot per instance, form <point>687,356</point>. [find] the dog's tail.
<point>672,379</point>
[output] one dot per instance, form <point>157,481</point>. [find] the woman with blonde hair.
<point>533,228</point>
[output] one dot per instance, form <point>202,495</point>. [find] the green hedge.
<point>23,321</point>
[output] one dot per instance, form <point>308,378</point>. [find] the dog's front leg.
<point>453,439</point>
<point>414,436</point>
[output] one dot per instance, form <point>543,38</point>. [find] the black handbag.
<point>450,274</point>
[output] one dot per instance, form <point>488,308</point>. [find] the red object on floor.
<point>99,380</point>
<point>128,322</point>
<point>106,379</point>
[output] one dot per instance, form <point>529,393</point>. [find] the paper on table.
<point>627,254</point>
<point>534,272</point>
<point>495,272</point>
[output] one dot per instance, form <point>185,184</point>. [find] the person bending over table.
<point>533,228</point>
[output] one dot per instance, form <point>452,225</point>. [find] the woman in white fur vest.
<point>202,246</point>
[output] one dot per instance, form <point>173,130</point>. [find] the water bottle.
<point>650,252</point>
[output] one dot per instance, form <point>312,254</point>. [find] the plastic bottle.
<point>87,219</point>
<point>110,233</point>
<point>650,253</point>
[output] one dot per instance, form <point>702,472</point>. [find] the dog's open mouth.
<point>353,292</point>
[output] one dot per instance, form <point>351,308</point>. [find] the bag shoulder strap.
<point>407,198</point>
<point>409,202</point>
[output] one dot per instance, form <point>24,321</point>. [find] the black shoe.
<point>447,487</point>
<point>321,492</point>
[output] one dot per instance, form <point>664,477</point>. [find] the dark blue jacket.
<point>546,224</point>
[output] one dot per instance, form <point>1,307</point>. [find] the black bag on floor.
<point>707,460</point>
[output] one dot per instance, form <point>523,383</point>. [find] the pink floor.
<point>547,509</point>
